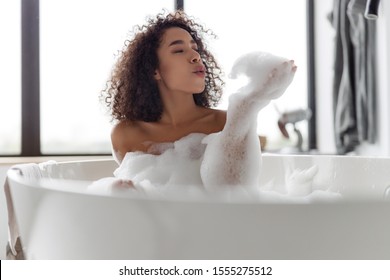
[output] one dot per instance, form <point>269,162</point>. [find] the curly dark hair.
<point>131,93</point>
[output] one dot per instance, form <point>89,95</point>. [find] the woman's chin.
<point>199,89</point>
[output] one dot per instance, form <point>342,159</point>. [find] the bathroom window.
<point>10,91</point>
<point>278,27</point>
<point>78,41</point>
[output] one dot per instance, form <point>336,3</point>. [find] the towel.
<point>13,229</point>
<point>28,171</point>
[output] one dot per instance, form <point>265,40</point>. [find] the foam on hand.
<point>255,66</point>
<point>233,156</point>
<point>268,75</point>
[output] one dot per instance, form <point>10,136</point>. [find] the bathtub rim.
<point>67,185</point>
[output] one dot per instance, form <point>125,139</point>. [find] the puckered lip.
<point>199,69</point>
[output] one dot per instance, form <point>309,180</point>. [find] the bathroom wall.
<point>324,40</point>
<point>324,37</point>
<point>383,78</point>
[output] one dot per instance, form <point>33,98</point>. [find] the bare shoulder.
<point>120,131</point>
<point>125,137</point>
<point>218,117</point>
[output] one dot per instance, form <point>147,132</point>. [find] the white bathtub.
<point>58,220</point>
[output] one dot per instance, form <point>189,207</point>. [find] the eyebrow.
<point>180,42</point>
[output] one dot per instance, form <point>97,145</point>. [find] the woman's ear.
<point>157,75</point>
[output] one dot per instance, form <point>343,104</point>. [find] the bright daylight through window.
<point>10,75</point>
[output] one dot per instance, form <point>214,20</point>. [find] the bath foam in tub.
<point>177,170</point>
<point>228,160</point>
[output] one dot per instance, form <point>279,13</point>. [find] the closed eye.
<point>181,51</point>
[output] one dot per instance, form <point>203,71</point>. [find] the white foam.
<point>233,156</point>
<point>300,182</point>
<point>178,164</point>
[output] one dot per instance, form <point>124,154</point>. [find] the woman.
<point>163,86</point>
<point>162,89</point>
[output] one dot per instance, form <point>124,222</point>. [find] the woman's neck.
<point>182,115</point>
<point>179,109</point>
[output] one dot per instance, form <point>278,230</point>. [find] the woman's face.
<point>180,66</point>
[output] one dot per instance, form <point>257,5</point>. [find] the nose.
<point>195,57</point>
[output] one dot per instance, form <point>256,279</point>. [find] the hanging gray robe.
<point>354,80</point>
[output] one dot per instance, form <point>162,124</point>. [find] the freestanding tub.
<point>59,220</point>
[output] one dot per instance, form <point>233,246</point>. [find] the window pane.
<point>79,39</point>
<point>278,27</point>
<point>10,76</point>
